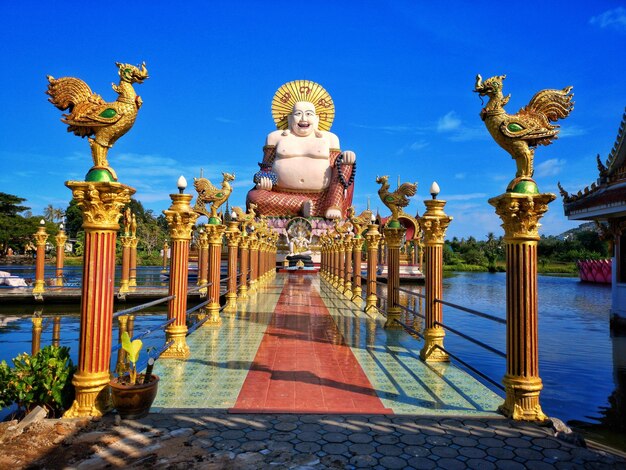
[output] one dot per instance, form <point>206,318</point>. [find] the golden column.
<point>393,236</point>
<point>101,204</point>
<point>40,239</point>
<point>373,237</point>
<point>244,256</point>
<point>60,238</point>
<point>520,214</point>
<point>336,257</point>
<point>434,223</point>
<point>356,268</point>
<point>166,249</point>
<point>233,235</point>
<point>254,260</point>
<point>341,252</point>
<point>347,285</point>
<point>203,260</point>
<point>124,281</point>
<point>520,209</point>
<point>132,280</point>
<point>180,220</point>
<point>36,335</point>
<point>215,233</point>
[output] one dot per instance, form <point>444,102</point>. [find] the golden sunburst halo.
<point>302,90</point>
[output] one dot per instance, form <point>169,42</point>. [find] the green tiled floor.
<point>221,356</point>
<point>406,384</point>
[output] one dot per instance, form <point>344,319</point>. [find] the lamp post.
<point>180,220</point>
<point>434,223</point>
<point>373,238</point>
<point>40,239</point>
<point>60,239</point>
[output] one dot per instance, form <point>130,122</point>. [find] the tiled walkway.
<point>296,346</point>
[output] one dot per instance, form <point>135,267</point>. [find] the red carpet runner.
<point>303,364</point>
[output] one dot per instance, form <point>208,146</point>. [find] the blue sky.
<point>400,73</point>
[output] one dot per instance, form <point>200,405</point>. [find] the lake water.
<point>582,366</point>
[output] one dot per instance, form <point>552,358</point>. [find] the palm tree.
<point>48,213</point>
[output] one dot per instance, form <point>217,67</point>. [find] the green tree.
<point>15,229</point>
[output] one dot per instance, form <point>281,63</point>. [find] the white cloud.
<point>550,167</point>
<point>572,131</point>
<point>420,144</point>
<point>614,19</point>
<point>460,176</point>
<point>449,122</point>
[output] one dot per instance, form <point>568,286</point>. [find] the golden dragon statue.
<point>519,134</point>
<point>90,116</point>
<point>395,200</point>
<point>210,194</point>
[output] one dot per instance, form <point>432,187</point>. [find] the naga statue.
<point>303,172</point>
<point>92,117</point>
<point>519,134</point>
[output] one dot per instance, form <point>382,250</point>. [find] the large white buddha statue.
<point>303,171</point>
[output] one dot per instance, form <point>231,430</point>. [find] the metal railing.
<point>478,343</point>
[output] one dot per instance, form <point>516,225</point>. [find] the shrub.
<point>44,379</point>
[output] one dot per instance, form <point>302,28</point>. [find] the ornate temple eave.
<point>617,157</point>
<point>603,203</point>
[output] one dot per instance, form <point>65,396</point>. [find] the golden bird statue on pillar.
<point>397,199</point>
<point>210,194</point>
<point>90,116</point>
<point>519,134</point>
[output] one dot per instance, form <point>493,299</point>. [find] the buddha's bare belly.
<point>302,173</point>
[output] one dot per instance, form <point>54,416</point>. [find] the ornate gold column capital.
<point>233,235</point>
<point>215,233</point>
<point>393,236</point>
<point>244,241</point>
<point>180,217</point>
<point>134,241</point>
<point>41,236</point>
<point>100,203</point>
<point>126,241</point>
<point>434,222</point>
<point>203,240</point>
<point>520,214</point>
<point>373,236</point>
<point>61,238</point>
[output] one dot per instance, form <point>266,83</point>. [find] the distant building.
<point>605,202</point>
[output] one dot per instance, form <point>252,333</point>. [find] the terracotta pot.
<point>134,401</point>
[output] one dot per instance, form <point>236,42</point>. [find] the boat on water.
<point>9,280</point>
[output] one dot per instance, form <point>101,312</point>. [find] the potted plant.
<point>134,393</point>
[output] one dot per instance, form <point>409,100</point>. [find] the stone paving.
<point>212,439</point>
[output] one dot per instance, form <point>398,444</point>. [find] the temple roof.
<point>606,198</point>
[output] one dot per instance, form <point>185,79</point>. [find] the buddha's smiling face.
<point>303,121</point>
